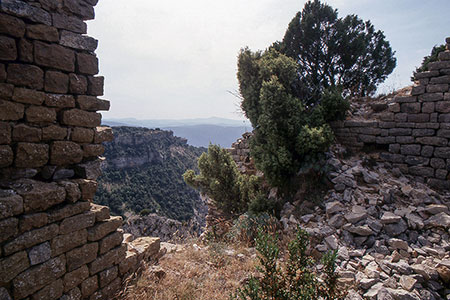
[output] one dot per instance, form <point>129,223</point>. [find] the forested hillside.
<point>143,174</point>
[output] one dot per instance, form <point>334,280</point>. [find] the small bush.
<point>296,279</point>
<point>245,228</point>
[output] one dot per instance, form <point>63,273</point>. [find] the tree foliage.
<point>289,131</point>
<point>219,178</point>
<point>332,51</point>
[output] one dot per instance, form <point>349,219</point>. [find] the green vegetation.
<point>331,51</point>
<point>219,178</point>
<point>428,59</point>
<point>296,279</point>
<point>156,186</point>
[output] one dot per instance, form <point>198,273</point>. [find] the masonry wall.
<point>54,242</point>
<point>414,129</point>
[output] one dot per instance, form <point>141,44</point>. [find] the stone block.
<point>24,133</point>
<point>423,132</point>
<point>76,277</point>
<point>25,75</point>
<point>10,111</point>
<point>6,91</point>
<point>54,132</point>
<point>146,247</point>
<point>399,131</point>
<point>442,152</point>
<point>445,55</point>
<point>101,212</point>
<point>386,116</point>
<point>441,174</point>
<point>428,107</point>
<point>394,107</point>
<point>56,82</point>
<point>394,148</point>
<point>8,49</point>
<point>437,65</point>
<point>40,114</point>
<point>417,160</point>
<point>81,118</point>
<point>437,88</point>
<point>443,106</point>
<point>5,133</point>
<point>367,138</point>
<point>77,222</point>
<point>444,133</point>
<point>89,170</point>
<point>421,171</point>
<point>108,275</point>
<point>12,266</point>
<point>40,253</point>
<point>65,153</point>
<point>431,140</point>
<point>9,228</point>
<point>418,118</point>
<point>404,139</point>
<point>440,80</point>
<point>73,193</point>
<point>2,73</point>
<point>401,117</point>
<point>427,151</point>
<point>30,155</point>
<point>418,90</point>
<point>444,118</point>
<point>52,291</point>
<point>89,286</point>
<point>54,56</point>
<point>410,149</point>
<point>31,238</point>
<point>26,51</point>
<point>63,21</point>
<point>28,96</point>
<point>385,140</point>
<point>405,99</point>
<point>446,96</point>
<point>6,156</point>
<point>80,8</point>
<point>107,260</point>
<point>91,103</point>
<point>438,163</point>
<point>11,204</point>
<point>431,97</point>
<point>411,108</point>
<point>128,263</point>
<point>60,100</point>
<point>88,188</point>
<point>77,84</point>
<point>11,26</point>
<point>103,228</point>
<point>87,64</point>
<point>38,277</point>
<point>39,196</point>
<point>32,221</point>
<point>64,243</point>
<point>60,213</point>
<point>95,85</point>
<point>78,41</point>
<point>93,150</point>
<point>24,10</point>
<point>81,256</point>
<point>109,242</point>
<point>42,32</point>
<point>426,74</point>
<point>82,135</point>
<point>103,134</point>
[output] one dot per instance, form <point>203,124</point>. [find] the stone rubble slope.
<point>390,232</point>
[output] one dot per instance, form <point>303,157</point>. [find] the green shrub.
<point>296,279</point>
<point>428,59</point>
<point>245,228</point>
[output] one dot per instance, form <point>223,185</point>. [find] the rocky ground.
<point>391,233</point>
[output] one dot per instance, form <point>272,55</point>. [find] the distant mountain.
<point>198,132</point>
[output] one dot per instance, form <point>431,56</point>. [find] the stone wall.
<point>54,242</point>
<point>414,130</point>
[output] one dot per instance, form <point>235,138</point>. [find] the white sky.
<point>176,59</point>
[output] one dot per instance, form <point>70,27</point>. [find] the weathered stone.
<point>431,97</point>
<point>418,90</point>
<point>5,133</point>
<point>54,56</point>
<point>31,238</point>
<point>77,222</point>
<point>103,134</point>
<point>101,212</point>
<point>25,75</point>
<point>28,96</point>
<point>64,243</point>
<point>431,140</point>
<point>26,51</point>
<point>74,24</point>
<point>385,139</point>
<point>32,221</point>
<point>418,118</point>
<point>145,247</point>
<point>81,256</point>
<point>8,49</point>
<point>24,133</point>
<point>110,241</point>
<point>89,170</point>
<point>42,32</point>
<point>6,90</point>
<point>437,88</point>
<point>107,276</point>
<point>11,204</point>
<point>398,244</point>
<point>11,26</point>
<point>427,151</point>
<point>38,277</point>
<point>52,291</point>
<point>8,228</point>
<point>421,171</point>
<point>25,10</point>
<point>40,253</point>
<point>428,107</point>
<point>73,193</point>
<point>95,85</point>
<point>56,82</point>
<point>426,74</point>
<point>334,207</point>
<point>400,131</point>
<point>77,84</point>
<point>444,118</point>
<point>31,155</point>
<point>417,160</point>
<point>2,73</point>
<point>440,220</point>
<point>87,64</point>
<point>410,149</point>
<point>433,209</point>
<point>75,278</point>
<point>81,9</point>
<point>128,263</point>
<point>444,273</point>
<point>445,55</point>
<point>40,114</point>
<point>57,214</point>
<point>60,100</point>
<point>78,41</point>
<point>395,229</point>
<point>89,286</point>
<point>108,259</point>
<point>91,103</point>
<point>109,291</point>
<point>88,189</point>
<point>410,108</point>
<point>12,266</point>
<point>422,132</point>
<point>103,228</point>
<point>438,65</point>
<point>54,132</point>
<point>39,196</point>
<point>78,117</point>
<point>6,156</point>
<point>65,152</point>
<point>93,150</point>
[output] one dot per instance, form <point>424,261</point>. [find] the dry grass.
<point>192,273</point>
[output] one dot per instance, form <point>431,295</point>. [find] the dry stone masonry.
<point>54,242</point>
<point>414,129</point>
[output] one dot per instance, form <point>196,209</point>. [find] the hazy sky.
<point>177,59</point>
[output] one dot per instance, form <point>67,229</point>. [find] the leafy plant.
<point>428,59</point>
<point>296,279</point>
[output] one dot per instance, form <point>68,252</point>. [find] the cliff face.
<point>143,174</point>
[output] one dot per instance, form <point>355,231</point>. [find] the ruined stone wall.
<point>415,129</point>
<point>54,243</point>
